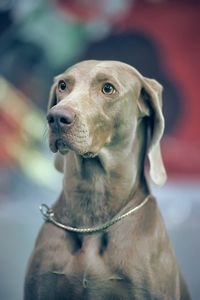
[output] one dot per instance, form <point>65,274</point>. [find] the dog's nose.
<point>61,118</point>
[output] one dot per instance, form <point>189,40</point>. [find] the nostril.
<point>66,120</point>
<point>58,118</point>
<point>50,119</point>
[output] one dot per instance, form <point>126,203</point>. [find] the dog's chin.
<point>63,146</point>
<point>59,145</point>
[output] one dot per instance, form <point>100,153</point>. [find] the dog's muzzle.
<point>67,131</point>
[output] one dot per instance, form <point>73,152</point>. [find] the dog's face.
<point>88,103</point>
<point>97,104</point>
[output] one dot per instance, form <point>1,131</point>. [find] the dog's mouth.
<point>63,146</point>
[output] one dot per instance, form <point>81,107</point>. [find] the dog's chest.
<point>88,272</point>
<point>98,266</point>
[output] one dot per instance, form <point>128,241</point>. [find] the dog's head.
<point>98,104</point>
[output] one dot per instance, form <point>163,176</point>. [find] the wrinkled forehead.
<point>103,70</point>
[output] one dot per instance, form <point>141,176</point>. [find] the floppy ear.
<point>58,159</point>
<point>59,162</point>
<point>150,104</point>
<point>52,96</point>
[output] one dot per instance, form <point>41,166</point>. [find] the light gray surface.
<point>20,221</point>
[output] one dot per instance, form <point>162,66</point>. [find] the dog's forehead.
<point>92,68</point>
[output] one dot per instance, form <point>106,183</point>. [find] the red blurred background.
<point>41,38</point>
<point>159,37</point>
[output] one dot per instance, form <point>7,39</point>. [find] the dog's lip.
<point>59,145</point>
<point>53,147</point>
<point>63,147</point>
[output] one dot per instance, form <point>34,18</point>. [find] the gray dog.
<point>104,238</point>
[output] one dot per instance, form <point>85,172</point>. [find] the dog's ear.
<point>150,105</point>
<point>58,162</point>
<point>52,96</point>
<point>58,159</point>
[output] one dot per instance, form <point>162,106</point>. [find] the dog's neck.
<point>96,189</point>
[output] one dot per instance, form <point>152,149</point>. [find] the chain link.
<point>48,216</point>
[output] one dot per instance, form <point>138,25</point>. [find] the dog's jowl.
<point>104,238</point>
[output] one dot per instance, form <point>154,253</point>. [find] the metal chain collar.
<point>48,216</point>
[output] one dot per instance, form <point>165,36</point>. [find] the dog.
<point>105,238</point>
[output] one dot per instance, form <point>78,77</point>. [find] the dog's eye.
<point>108,89</point>
<point>62,86</point>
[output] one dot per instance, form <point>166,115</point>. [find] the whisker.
<point>45,133</point>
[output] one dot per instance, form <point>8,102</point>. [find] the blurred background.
<point>38,40</point>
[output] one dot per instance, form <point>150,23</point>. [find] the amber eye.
<point>108,89</point>
<point>62,86</point>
